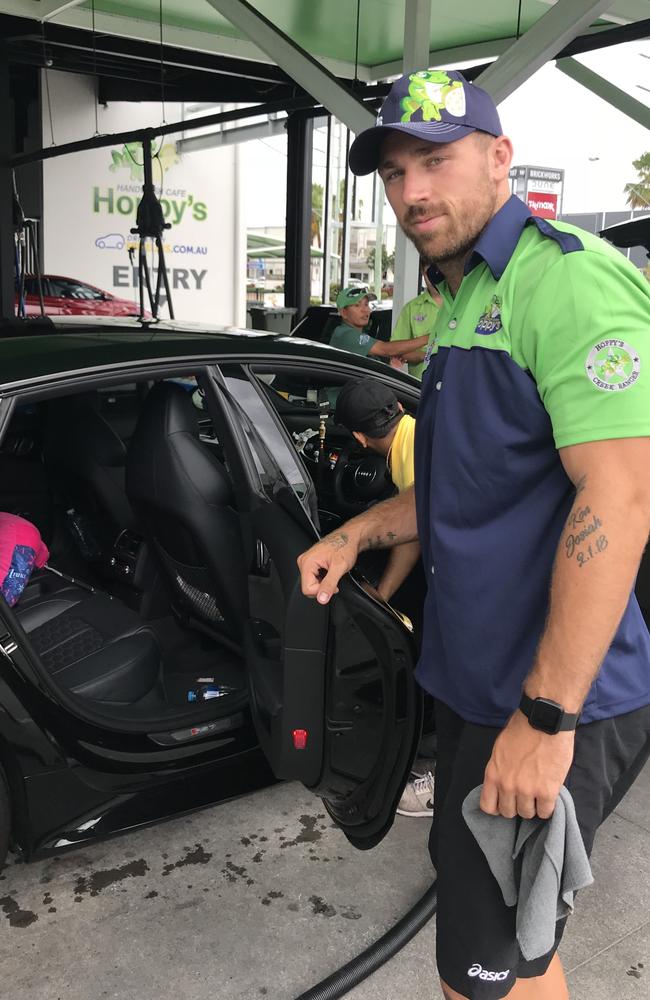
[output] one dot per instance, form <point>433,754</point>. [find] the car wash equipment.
<point>150,225</point>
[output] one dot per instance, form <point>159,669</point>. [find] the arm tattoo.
<point>337,540</point>
<point>582,525</point>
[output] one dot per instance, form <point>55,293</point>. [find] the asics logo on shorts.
<point>490,977</point>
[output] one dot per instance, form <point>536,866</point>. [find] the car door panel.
<point>333,696</point>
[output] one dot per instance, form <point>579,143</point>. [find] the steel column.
<point>417,31</point>
<point>301,67</point>
<point>565,20</point>
<point>607,91</point>
<point>7,245</point>
<point>297,272</point>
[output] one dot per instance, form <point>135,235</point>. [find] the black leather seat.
<point>89,643</point>
<point>86,460</point>
<point>183,499</point>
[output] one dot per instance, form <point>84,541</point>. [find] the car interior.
<point>143,601</point>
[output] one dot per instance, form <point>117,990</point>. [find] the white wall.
<point>92,195</point>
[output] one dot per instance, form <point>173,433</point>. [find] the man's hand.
<point>526,771</point>
<point>322,566</point>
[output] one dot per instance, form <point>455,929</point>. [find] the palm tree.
<point>638,193</point>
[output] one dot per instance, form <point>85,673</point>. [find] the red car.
<point>69,297</point>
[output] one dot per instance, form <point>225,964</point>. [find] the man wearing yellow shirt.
<point>418,318</point>
<point>376,418</point>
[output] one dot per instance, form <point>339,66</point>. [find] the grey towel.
<point>539,865</point>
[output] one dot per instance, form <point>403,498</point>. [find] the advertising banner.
<point>540,188</point>
<point>91,199</point>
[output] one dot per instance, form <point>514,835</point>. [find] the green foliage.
<point>387,260</point>
<point>638,192</point>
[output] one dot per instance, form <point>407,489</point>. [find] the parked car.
<point>70,297</point>
<point>166,658</point>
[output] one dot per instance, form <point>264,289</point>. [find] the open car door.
<point>332,689</point>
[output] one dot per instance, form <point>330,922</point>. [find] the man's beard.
<point>459,243</point>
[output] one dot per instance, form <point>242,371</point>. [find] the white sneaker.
<point>417,797</point>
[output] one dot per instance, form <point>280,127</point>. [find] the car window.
<point>252,404</point>
<point>69,289</point>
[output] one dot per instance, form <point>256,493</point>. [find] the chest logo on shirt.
<point>364,338</point>
<point>612,365</point>
<point>490,320</point>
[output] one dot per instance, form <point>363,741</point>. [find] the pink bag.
<point>21,549</point>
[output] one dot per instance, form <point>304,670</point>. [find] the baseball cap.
<point>368,406</point>
<point>351,295</point>
<point>433,104</point>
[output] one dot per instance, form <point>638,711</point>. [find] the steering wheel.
<point>359,480</point>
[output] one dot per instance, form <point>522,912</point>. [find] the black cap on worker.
<point>367,406</point>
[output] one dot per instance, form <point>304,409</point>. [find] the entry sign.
<point>540,188</point>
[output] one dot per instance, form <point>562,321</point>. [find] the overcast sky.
<point>552,121</point>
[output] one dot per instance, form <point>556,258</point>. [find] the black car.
<point>166,659</point>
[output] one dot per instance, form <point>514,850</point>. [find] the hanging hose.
<point>381,951</point>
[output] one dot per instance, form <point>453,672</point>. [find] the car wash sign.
<point>540,188</point>
<point>91,201</point>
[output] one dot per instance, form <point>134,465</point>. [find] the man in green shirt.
<point>419,317</point>
<point>532,508</point>
<point>354,309</point>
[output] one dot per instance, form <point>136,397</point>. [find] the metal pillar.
<point>300,65</point>
<point>297,276</point>
<point>607,91</point>
<point>417,32</point>
<point>7,246</point>
<point>565,20</point>
<point>325,221</point>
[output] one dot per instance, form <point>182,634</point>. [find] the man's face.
<point>443,194</point>
<point>358,314</point>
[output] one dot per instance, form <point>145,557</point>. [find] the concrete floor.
<point>262,897</point>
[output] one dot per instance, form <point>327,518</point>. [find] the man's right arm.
<point>381,527</point>
<point>397,348</point>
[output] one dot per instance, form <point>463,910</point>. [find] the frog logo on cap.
<point>613,365</point>
<point>432,91</point>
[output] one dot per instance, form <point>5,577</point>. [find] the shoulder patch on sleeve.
<point>567,242</point>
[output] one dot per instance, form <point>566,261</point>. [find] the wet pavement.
<point>263,897</point>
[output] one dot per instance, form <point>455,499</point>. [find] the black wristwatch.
<point>547,716</point>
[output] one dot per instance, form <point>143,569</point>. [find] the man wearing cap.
<point>373,414</point>
<point>354,308</point>
<point>532,507</point>
<point>419,317</point>
<point>376,418</point>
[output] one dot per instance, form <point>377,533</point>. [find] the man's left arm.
<point>595,568</point>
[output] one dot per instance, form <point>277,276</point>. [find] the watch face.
<point>546,715</point>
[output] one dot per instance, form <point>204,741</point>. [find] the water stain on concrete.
<point>351,913</point>
<point>97,881</point>
<point>320,908</point>
<point>232,872</point>
<point>308,834</point>
<point>47,899</point>
<point>294,907</point>
<point>636,971</point>
<point>151,895</point>
<point>258,857</point>
<point>14,914</point>
<point>198,856</point>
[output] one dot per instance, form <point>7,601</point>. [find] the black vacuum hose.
<point>381,951</point>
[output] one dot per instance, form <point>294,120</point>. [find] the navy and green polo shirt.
<point>348,338</point>
<point>546,344</point>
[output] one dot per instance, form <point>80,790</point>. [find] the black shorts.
<point>476,947</point>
